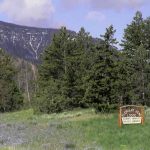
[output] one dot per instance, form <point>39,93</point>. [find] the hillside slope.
<point>25,42</point>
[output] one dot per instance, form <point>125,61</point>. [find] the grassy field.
<point>76,130</point>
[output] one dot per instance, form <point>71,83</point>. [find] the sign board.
<point>131,114</point>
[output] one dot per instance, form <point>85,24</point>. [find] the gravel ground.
<point>13,134</point>
<point>51,135</point>
<point>25,133</point>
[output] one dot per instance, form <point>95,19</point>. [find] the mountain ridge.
<point>25,42</point>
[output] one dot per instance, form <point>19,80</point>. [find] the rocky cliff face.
<point>25,42</point>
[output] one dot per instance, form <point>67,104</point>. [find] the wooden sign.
<point>131,114</point>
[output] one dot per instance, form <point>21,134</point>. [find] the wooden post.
<point>119,118</point>
<point>142,113</point>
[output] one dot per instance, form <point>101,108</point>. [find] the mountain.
<point>25,42</point>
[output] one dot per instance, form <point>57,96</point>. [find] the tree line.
<point>10,96</point>
<point>80,71</point>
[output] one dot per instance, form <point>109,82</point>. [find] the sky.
<point>94,15</point>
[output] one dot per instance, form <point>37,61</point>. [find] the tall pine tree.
<point>135,47</point>
<point>100,84</point>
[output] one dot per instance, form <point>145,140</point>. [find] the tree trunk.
<point>27,84</point>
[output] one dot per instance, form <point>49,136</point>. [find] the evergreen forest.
<point>79,71</point>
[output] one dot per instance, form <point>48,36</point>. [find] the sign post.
<point>131,114</point>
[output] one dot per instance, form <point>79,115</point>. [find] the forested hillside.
<point>79,71</point>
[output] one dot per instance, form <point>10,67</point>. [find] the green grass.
<point>79,130</point>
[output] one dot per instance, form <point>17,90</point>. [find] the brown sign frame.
<point>126,111</point>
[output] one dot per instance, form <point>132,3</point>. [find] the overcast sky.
<point>93,15</point>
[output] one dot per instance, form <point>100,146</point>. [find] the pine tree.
<point>82,58</point>
<point>51,94</point>
<point>135,47</point>
<point>146,46</point>
<point>133,35</point>
<point>100,83</point>
<point>146,41</point>
<point>141,74</point>
<point>124,82</point>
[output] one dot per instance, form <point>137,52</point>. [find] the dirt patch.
<point>13,134</point>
